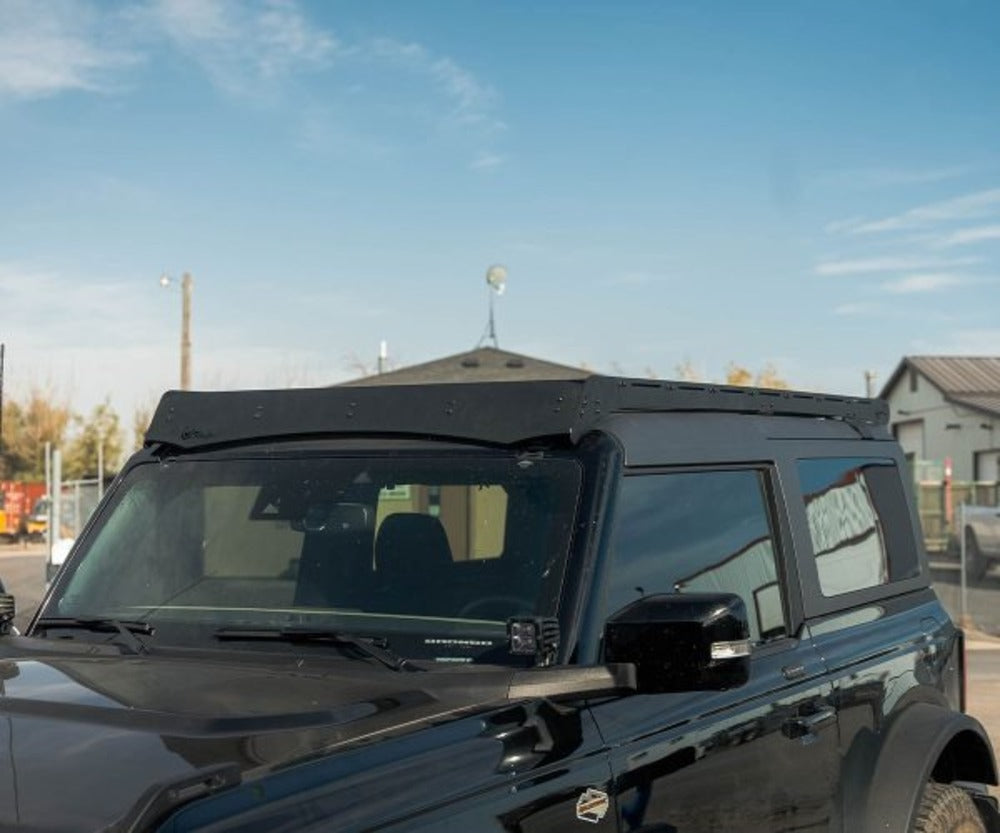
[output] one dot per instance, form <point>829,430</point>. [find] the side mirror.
<point>682,642</point>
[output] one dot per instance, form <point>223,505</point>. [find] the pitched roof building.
<point>484,364</point>
<point>948,408</point>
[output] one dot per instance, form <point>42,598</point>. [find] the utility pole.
<point>100,464</point>
<point>187,284</point>
<point>870,376</point>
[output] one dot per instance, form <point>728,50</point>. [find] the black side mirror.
<point>682,642</point>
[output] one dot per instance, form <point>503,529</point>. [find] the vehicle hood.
<point>85,732</point>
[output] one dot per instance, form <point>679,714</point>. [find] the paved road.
<point>982,597</point>
<point>984,688</point>
<point>22,570</point>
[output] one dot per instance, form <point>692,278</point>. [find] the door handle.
<point>804,726</point>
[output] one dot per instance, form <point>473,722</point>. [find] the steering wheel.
<point>513,603</point>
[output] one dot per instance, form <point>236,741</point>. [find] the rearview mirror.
<point>682,642</point>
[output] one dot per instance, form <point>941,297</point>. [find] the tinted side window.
<point>857,521</point>
<point>697,532</point>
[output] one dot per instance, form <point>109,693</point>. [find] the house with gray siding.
<point>948,408</point>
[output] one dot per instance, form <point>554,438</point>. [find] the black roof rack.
<point>499,412</point>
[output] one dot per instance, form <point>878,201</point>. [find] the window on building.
<point>913,380</point>
<point>987,466</point>
<point>698,531</point>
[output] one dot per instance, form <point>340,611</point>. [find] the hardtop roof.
<point>502,412</point>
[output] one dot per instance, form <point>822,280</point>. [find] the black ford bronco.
<point>597,605</point>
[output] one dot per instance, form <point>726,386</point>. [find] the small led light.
<point>536,637</point>
<point>523,638</point>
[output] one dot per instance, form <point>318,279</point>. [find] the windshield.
<point>431,552</point>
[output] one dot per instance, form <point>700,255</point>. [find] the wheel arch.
<point>924,742</point>
<point>965,757</point>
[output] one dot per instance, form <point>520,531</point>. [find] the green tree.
<point>101,430</point>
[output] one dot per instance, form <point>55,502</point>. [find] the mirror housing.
<point>682,642</point>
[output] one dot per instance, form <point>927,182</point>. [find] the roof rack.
<point>500,412</point>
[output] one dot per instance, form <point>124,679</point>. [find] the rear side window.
<point>698,532</point>
<point>857,519</point>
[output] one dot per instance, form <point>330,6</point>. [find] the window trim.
<point>778,522</point>
<point>814,602</point>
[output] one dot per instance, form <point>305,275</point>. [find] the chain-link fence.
<point>966,570</point>
<point>77,502</point>
<point>938,502</point>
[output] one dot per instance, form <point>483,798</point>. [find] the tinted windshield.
<point>432,552</point>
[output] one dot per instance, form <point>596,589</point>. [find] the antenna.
<point>496,281</point>
<point>870,376</point>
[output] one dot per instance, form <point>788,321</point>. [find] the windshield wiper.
<point>375,648</point>
<point>126,629</point>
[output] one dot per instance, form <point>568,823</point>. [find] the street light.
<point>187,284</point>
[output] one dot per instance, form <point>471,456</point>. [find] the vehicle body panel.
<point>727,761</point>
<point>310,737</point>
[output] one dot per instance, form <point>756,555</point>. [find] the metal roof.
<point>973,381</point>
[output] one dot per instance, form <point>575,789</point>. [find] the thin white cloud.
<point>969,342</point>
<point>889,264</point>
<point>240,44</point>
<point>871,178</point>
<point>969,236</point>
<point>117,339</point>
<point>969,206</point>
<point>76,347</point>
<point>472,101</point>
<point>924,282</point>
<point>250,49</point>
<point>845,225</point>
<point>64,47</point>
<point>486,161</point>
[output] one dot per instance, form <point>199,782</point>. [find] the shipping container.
<point>17,499</point>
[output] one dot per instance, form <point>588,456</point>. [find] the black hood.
<point>85,732</point>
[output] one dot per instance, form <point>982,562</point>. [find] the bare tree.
<point>28,424</point>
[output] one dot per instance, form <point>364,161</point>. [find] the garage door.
<point>911,438</point>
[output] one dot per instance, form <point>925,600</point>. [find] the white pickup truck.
<point>981,535</point>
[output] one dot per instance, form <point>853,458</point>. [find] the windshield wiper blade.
<point>375,648</point>
<point>126,629</point>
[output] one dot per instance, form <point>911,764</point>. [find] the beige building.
<point>948,408</point>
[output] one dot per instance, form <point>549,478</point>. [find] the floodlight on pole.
<point>187,285</point>
<point>496,281</point>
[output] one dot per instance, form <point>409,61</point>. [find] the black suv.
<point>605,604</point>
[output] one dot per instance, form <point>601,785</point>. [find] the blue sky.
<point>811,185</point>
